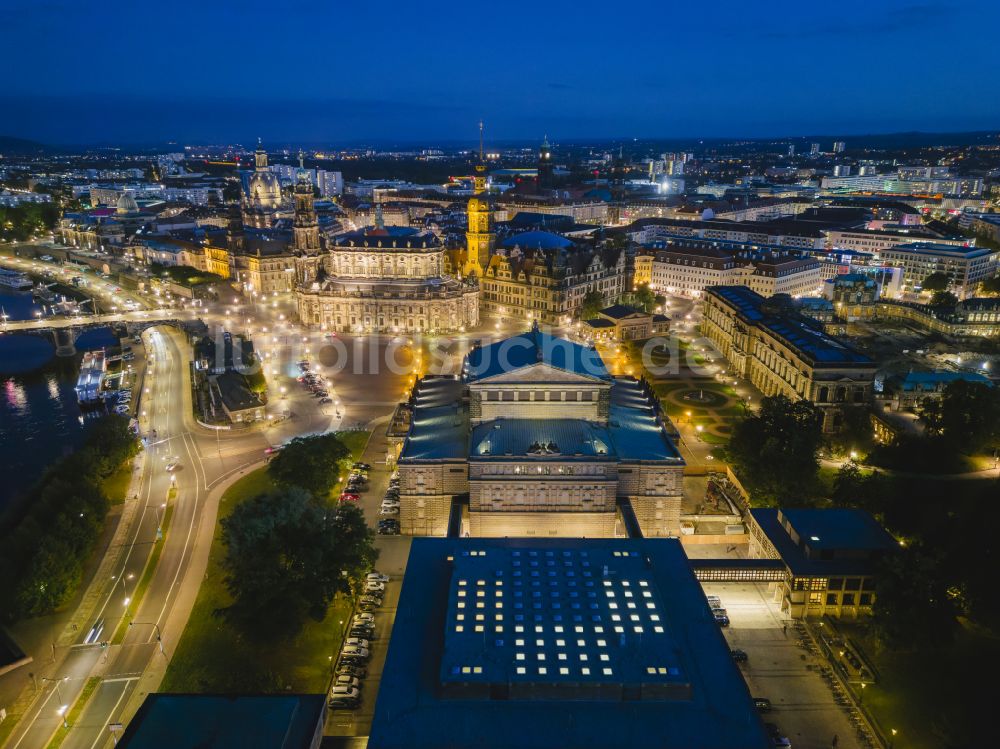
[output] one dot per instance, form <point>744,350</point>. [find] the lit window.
<point>651,606</point>
<point>461,604</point>
<point>460,617</point>
<point>561,643</point>
<point>650,670</point>
<point>519,656</point>
<point>612,606</point>
<point>578,629</point>
<point>610,593</point>
<point>480,605</point>
<point>539,629</point>
<point>598,630</point>
<point>480,582</point>
<point>658,629</point>
<point>615,618</point>
<point>480,617</point>
<point>619,629</point>
<point>518,628</point>
<point>607,672</point>
<point>654,617</point>
<point>638,630</point>
<point>499,617</point>
<point>625,583</point>
<point>540,643</point>
<point>634,617</point>
<point>602,643</point>
<point>499,628</point>
<point>466,670</point>
<point>519,643</point>
<point>643,583</point>
<point>541,656</point>
<point>585,671</point>
<point>461,582</point>
<point>604,657</point>
<point>583,656</point>
<point>563,670</point>
<point>459,628</point>
<point>628,593</point>
<point>562,656</point>
<point>480,593</point>
<point>461,594</point>
<point>646,594</point>
<point>521,669</point>
<point>499,605</point>
<point>542,670</point>
<point>479,627</point>
<point>558,628</point>
<point>477,670</point>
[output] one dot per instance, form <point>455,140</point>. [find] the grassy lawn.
<point>934,698</point>
<point>116,485</point>
<point>214,657</point>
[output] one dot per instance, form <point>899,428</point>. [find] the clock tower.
<point>479,239</point>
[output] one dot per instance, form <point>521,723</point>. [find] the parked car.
<point>366,633</point>
<point>762,704</point>
<point>347,681</point>
<point>379,577</point>
<point>353,652</point>
<point>346,670</point>
<point>371,607</point>
<point>356,642</point>
<point>324,401</point>
<point>722,620</point>
<point>362,466</point>
<point>349,497</point>
<point>344,697</point>
<point>740,656</point>
<point>390,510</point>
<point>374,586</point>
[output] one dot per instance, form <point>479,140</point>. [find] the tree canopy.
<point>990,286</point>
<point>287,555</point>
<point>776,449</point>
<point>914,608</point>
<point>593,303</point>
<point>312,463</point>
<point>966,416</point>
<point>936,282</point>
<point>943,299</point>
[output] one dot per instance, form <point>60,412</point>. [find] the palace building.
<point>380,280</point>
<point>543,441</point>
<point>783,353</point>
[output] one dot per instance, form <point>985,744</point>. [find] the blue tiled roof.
<point>801,335</point>
<point>916,380</point>
<point>533,240</point>
<point>530,348</point>
<point>570,438</point>
<point>830,530</point>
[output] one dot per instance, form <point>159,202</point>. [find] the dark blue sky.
<point>336,71</point>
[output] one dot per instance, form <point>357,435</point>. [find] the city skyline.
<point>221,73</point>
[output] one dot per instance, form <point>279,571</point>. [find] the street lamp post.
<point>159,637</point>
<point>892,740</point>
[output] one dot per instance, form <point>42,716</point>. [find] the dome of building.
<point>265,189</point>
<point>126,205</point>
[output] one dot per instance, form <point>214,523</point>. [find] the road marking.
<point>100,734</point>
<point>119,679</point>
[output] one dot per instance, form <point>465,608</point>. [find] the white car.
<point>353,651</point>
<point>171,467</point>
<point>374,587</point>
<point>350,682</point>
<point>364,618</point>
<point>356,642</point>
<point>377,577</point>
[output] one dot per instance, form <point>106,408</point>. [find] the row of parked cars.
<point>357,482</point>
<point>763,704</point>
<point>314,383</point>
<point>388,520</point>
<point>352,666</point>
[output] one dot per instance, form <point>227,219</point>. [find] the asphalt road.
<point>203,460</point>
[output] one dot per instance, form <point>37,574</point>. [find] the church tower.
<point>545,165</point>
<point>305,226</point>
<point>479,239</point>
<point>235,236</point>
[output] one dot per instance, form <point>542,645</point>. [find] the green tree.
<point>287,555</point>
<point>943,299</point>
<point>936,282</point>
<point>991,286</point>
<point>914,608</point>
<point>310,462</point>
<point>967,415</point>
<point>593,303</point>
<point>856,488</point>
<point>644,299</point>
<point>775,450</point>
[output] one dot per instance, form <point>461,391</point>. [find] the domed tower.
<point>479,239</point>
<point>545,164</point>
<point>263,197</point>
<point>126,205</point>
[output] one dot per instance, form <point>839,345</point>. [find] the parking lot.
<point>783,670</point>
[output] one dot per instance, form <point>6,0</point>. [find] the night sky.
<point>337,72</point>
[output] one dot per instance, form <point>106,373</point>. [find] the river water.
<point>39,417</point>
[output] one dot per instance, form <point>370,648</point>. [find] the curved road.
<point>205,459</point>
